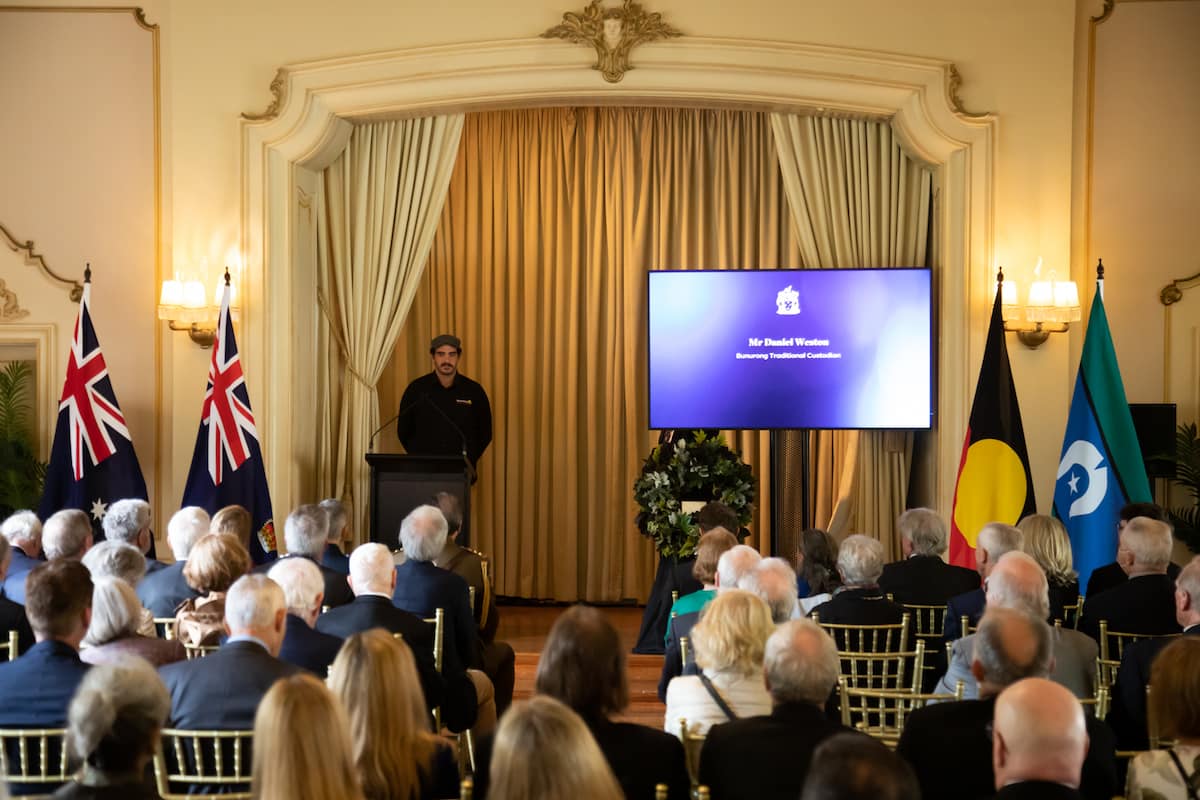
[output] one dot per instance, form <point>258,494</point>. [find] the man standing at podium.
<point>445,413</point>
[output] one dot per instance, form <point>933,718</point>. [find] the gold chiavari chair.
<point>200,650</point>
<point>203,761</point>
<point>1071,614</point>
<point>684,650</point>
<point>660,791</point>
<point>693,743</point>
<point>881,713</point>
<point>1097,705</point>
<point>11,646</point>
<point>1113,643</point>
<point>965,625</point>
<point>466,789</point>
<point>165,627</point>
<point>34,757</point>
<point>876,656</point>
<point>928,627</point>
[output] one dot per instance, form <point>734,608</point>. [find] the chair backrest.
<point>10,646</point>
<point>964,623</point>
<point>205,762</point>
<point>1071,612</point>
<point>693,743</point>
<point>34,756</point>
<point>200,650</point>
<point>1097,705</point>
<point>684,650</point>
<point>1106,672</point>
<point>928,627</point>
<point>438,621</point>
<point>882,713</point>
<point>875,656</point>
<point>867,638</point>
<point>1113,643</point>
<point>165,627</point>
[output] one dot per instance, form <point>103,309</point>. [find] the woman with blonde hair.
<point>1175,712</point>
<point>1047,541</point>
<point>213,565</point>
<point>544,750</point>
<point>396,754</point>
<point>729,642</point>
<point>302,744</point>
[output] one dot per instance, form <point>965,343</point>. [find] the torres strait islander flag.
<point>92,461</point>
<point>994,483</point>
<point>1101,467</point>
<point>227,464</point>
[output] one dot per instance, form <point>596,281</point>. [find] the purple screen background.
<point>877,320</point>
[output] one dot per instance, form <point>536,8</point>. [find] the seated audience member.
<point>732,566</point>
<point>339,521</point>
<point>113,727</point>
<point>497,657</point>
<point>114,633</point>
<point>583,665</point>
<point>1175,696</point>
<point>394,751</point>
<point>22,530</point>
<point>221,691</point>
<point>922,577</point>
<point>303,589</point>
<point>568,764</point>
<point>774,580</point>
<point>1146,602</point>
<point>850,766</point>
<point>729,642</point>
<point>373,579</point>
<point>817,566</point>
<point>1127,714</point>
<point>161,592</point>
<point>712,515</point>
<point>709,549</point>
<point>1110,575</point>
<point>743,758</point>
<point>859,600</point>
<point>37,687</point>
<point>304,532</point>
<point>994,540</point>
<point>1039,741</point>
<point>302,744</point>
<point>422,588</point>
<point>12,615</point>
<point>233,521</point>
<point>67,534</point>
<point>948,744</point>
<point>1018,583</point>
<point>129,521</point>
<point>1047,542</point>
<point>214,564</point>
<point>113,559</point>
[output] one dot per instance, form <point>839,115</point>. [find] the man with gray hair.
<point>774,580</point>
<point>305,532</point>
<point>67,534</point>
<point>922,577</point>
<point>1145,603</point>
<point>1018,583</point>
<point>859,601</point>
<point>948,744</point>
<point>994,540</point>
<point>304,590</point>
<point>23,530</point>
<point>129,521</point>
<point>163,591</point>
<point>222,691</point>
<point>743,758</point>
<point>339,520</point>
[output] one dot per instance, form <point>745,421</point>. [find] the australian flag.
<point>92,462</point>
<point>227,464</point>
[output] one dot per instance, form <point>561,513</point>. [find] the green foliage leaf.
<point>1186,519</point>
<point>21,474</point>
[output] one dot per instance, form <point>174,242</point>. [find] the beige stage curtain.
<point>552,220</point>
<point>378,207</point>
<point>857,200</point>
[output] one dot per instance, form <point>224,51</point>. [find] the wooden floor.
<point>525,628</point>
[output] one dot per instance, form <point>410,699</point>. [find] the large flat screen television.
<point>819,348</point>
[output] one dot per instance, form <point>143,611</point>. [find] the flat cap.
<point>444,339</point>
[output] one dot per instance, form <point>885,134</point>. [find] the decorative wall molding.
<point>10,307</point>
<point>321,101</point>
<point>278,88</point>
<point>35,259</point>
<point>612,33</point>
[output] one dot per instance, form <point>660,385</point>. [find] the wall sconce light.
<point>1051,307</point>
<point>185,307</point>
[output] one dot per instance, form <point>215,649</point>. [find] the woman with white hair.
<point>113,633</point>
<point>113,559</point>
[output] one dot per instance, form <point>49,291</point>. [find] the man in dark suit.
<point>994,540</point>
<point>923,577</point>
<point>743,758</point>
<point>1127,715</point>
<point>305,531</point>
<point>1146,602</point>
<point>12,615</point>
<point>222,691</point>
<point>128,521</point>
<point>37,687</point>
<point>1040,740</point>
<point>304,591</point>
<point>339,518</point>
<point>949,746</point>
<point>859,601</point>
<point>1111,575</point>
<point>163,591</point>
<point>23,530</point>
<point>422,588</point>
<point>373,579</point>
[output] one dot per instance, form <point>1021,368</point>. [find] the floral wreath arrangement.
<point>698,466</point>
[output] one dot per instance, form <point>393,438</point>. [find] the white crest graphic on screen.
<point>1084,454</point>
<point>787,302</point>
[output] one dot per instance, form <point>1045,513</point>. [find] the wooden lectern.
<point>400,483</point>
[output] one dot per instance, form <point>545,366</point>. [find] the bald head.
<point>1018,582</point>
<point>1039,734</point>
<point>1009,646</point>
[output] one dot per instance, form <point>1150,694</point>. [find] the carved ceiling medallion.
<point>613,33</point>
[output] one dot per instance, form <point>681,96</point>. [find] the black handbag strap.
<point>716,696</point>
<point>1187,781</point>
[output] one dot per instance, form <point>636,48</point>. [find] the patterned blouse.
<point>1154,776</point>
